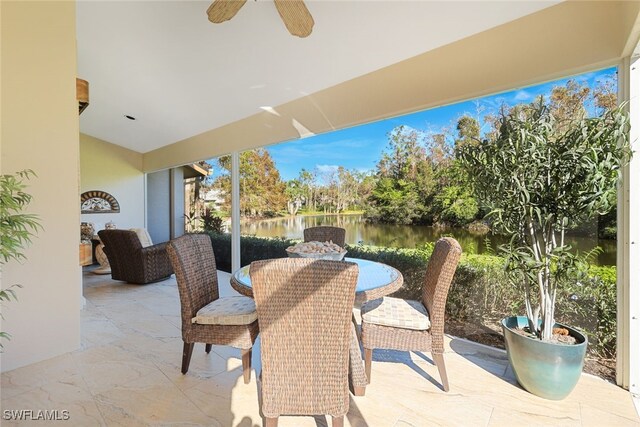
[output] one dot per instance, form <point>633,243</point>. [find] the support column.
<point>235,211</point>
<point>177,202</point>
<point>628,267</point>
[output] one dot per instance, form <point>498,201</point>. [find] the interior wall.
<point>40,132</point>
<point>118,171</point>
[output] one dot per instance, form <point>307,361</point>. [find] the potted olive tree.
<point>16,227</point>
<point>541,176</point>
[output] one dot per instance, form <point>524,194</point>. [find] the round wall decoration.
<point>96,201</point>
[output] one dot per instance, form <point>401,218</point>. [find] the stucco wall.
<point>40,131</point>
<point>118,171</point>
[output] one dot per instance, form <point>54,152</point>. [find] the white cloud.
<point>364,170</point>
<point>522,95</point>
<point>327,168</point>
<point>584,77</point>
<point>493,104</point>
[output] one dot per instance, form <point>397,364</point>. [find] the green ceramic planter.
<point>545,369</point>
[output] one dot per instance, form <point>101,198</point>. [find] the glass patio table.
<point>375,280</point>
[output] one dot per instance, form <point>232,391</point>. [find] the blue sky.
<point>360,147</point>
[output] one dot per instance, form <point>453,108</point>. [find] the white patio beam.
<point>628,265</point>
<point>235,211</point>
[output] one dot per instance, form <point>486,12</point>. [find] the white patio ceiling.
<point>164,63</point>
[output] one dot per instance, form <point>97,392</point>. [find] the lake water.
<point>404,236</point>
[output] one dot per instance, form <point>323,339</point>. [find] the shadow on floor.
<point>492,360</point>
<point>404,357</point>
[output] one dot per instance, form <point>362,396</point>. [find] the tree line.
<point>417,180</point>
<point>264,194</point>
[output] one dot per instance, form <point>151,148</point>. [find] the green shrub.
<point>480,291</point>
<point>251,249</point>
<point>591,304</point>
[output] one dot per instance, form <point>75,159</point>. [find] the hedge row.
<point>480,291</point>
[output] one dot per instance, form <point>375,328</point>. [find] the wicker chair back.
<point>195,267</point>
<point>304,310</point>
<point>131,262</point>
<point>325,233</point>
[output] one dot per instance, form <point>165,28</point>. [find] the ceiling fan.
<point>294,14</point>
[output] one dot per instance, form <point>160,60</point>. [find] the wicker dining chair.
<point>207,318</point>
<point>304,309</point>
<point>325,233</point>
<point>131,261</point>
<point>397,324</point>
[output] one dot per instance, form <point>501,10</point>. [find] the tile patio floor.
<point>127,373</point>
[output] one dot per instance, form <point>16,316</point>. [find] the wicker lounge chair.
<point>393,323</point>
<point>304,309</point>
<point>325,233</point>
<point>130,261</point>
<point>207,318</point>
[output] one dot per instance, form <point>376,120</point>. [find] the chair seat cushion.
<point>236,310</point>
<point>397,313</point>
<point>143,235</point>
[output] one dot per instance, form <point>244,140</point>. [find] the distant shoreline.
<point>276,218</point>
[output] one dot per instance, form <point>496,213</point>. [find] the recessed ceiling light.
<point>129,117</point>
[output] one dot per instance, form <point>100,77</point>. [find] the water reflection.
<point>404,236</point>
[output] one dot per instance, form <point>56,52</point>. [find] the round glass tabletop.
<point>372,276</point>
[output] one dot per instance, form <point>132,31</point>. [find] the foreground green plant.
<point>7,295</point>
<point>16,227</point>
<point>540,176</point>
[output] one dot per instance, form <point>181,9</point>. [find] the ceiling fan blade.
<point>296,17</point>
<point>223,10</point>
